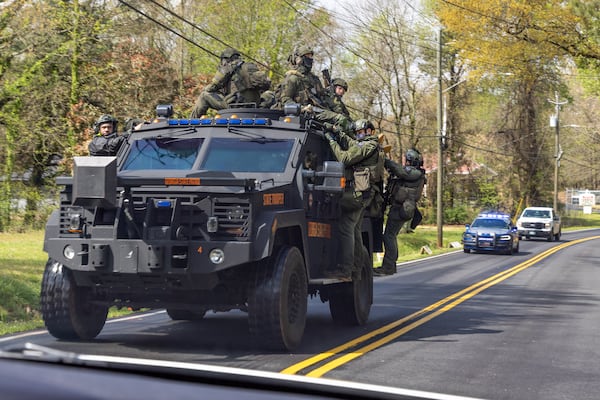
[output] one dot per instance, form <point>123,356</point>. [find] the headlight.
<point>505,237</point>
<point>216,256</point>
<point>69,252</point>
<point>547,225</point>
<point>75,223</point>
<point>212,225</point>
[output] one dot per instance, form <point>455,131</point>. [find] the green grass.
<point>22,262</point>
<point>577,220</point>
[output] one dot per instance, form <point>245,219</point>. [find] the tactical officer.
<point>106,141</point>
<point>363,166</point>
<point>404,189</point>
<point>340,87</point>
<point>300,85</point>
<point>236,81</point>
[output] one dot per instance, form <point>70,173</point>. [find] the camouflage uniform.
<point>359,157</point>
<point>407,187</point>
<point>300,85</point>
<point>336,104</point>
<point>235,81</point>
<point>336,112</point>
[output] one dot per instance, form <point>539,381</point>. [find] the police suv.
<point>491,232</point>
<point>239,211</point>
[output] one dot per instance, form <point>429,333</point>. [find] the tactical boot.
<point>340,271</point>
<point>383,271</point>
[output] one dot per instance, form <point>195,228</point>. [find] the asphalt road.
<point>491,326</point>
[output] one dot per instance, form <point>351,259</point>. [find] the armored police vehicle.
<point>238,211</point>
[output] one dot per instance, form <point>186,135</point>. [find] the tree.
<point>528,42</point>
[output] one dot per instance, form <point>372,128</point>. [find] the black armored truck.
<point>237,211</point>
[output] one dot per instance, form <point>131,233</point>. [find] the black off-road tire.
<point>68,310</point>
<point>557,236</point>
<point>277,302</point>
<point>350,302</point>
<point>177,314</point>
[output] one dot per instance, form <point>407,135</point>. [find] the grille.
<point>533,225</point>
<point>66,210</point>
<point>233,216</point>
<point>191,213</point>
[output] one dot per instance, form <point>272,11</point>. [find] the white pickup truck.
<point>542,222</point>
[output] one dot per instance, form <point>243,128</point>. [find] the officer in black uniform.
<point>404,188</point>
<point>106,141</point>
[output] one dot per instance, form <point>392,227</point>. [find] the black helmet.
<point>230,53</point>
<point>340,82</point>
<point>106,118</point>
<point>413,157</point>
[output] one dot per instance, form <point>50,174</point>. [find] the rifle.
<point>390,188</point>
<point>327,80</point>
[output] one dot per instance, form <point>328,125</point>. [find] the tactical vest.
<point>374,162</point>
<point>409,189</point>
<point>249,82</point>
<point>309,91</point>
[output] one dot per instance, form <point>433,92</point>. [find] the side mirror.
<point>332,174</point>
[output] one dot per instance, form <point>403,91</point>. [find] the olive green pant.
<point>350,231</point>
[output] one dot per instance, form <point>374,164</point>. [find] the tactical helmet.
<point>229,53</point>
<point>304,50</point>
<point>340,82</point>
<point>363,124</point>
<point>106,118</point>
<point>413,157</point>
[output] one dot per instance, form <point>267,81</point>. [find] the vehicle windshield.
<point>235,155</point>
<point>490,223</point>
<point>537,214</point>
<point>163,153</point>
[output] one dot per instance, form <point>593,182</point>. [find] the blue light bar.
<point>194,121</point>
<point>247,121</point>
<point>234,121</point>
<point>494,215</point>
<point>261,121</point>
<point>173,122</point>
<point>221,121</point>
<point>206,121</point>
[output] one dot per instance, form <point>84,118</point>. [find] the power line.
<point>167,28</point>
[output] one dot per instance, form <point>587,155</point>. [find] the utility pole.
<point>555,121</point>
<point>440,169</point>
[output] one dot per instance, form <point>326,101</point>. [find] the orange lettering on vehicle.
<point>182,181</point>
<point>320,230</point>
<point>273,199</point>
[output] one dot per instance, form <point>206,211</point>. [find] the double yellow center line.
<point>340,355</point>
